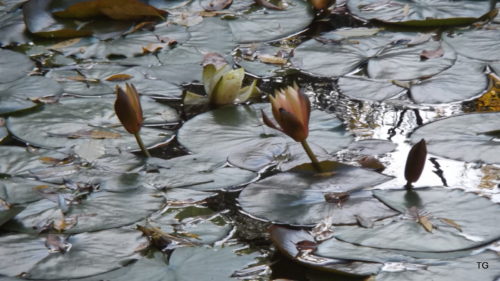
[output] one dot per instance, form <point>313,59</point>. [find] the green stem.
<point>311,155</point>
<point>141,144</point>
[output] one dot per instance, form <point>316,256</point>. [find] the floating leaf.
<point>54,125</point>
<point>90,254</point>
<point>368,89</point>
<point>14,65</point>
<point>415,162</point>
<point>475,43</point>
<point>295,199</point>
<point>420,13</point>
<point>241,126</point>
<point>473,213</point>
<point>462,137</point>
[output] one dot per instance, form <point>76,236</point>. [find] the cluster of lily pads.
<point>79,200</point>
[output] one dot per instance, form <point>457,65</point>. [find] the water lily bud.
<point>128,108</point>
<point>291,109</point>
<point>415,161</point>
<point>320,4</point>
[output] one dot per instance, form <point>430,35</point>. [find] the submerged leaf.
<point>114,9</point>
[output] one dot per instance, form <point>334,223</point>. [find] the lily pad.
<point>238,127</point>
<point>3,131</point>
<point>459,221</point>
<point>274,152</point>
<point>362,88</point>
<point>19,161</point>
<point>90,254</point>
<point>476,44</point>
<point>188,263</point>
<point>12,28</point>
<point>469,137</point>
<point>197,172</point>
<point>462,81</point>
<point>17,190</point>
<point>262,24</point>
<point>8,212</point>
<point>386,55</point>
<point>14,65</point>
<point>75,121</point>
<point>297,199</point>
<point>100,210</point>
<point>101,79</point>
<point>290,242</point>
<point>22,93</point>
<point>372,147</point>
<point>421,13</point>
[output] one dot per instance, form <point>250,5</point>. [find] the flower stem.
<point>141,144</point>
<point>311,155</point>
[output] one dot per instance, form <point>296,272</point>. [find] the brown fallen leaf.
<point>80,78</point>
<point>432,54</point>
<point>114,9</point>
<point>89,134</point>
<point>119,77</point>
<point>65,43</point>
<point>425,222</point>
<point>320,4</point>
<point>214,58</point>
<point>272,59</point>
<point>452,223</point>
<point>216,5</point>
<point>371,162</point>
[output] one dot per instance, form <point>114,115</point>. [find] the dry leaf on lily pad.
<point>114,9</point>
<point>490,101</point>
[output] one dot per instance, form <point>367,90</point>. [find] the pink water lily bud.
<point>291,109</point>
<point>128,108</point>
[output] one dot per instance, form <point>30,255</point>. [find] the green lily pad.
<point>262,24</point>
<point>462,81</point>
<point>100,210</point>
<point>274,152</point>
<point>188,263</point>
<point>15,96</point>
<point>296,199</point>
<point>128,45</point>
<point>363,88</point>
<point>460,221</point>
<point>468,137</point>
<point>420,13</point>
<point>290,242</point>
<point>97,79</point>
<point>197,172</point>
<point>372,147</point>
<point>12,28</point>
<point>14,65</point>
<point>19,161</point>
<point>90,254</point>
<point>463,269</point>
<point>476,44</point>
<point>238,127</point>
<point>263,60</point>
<point>17,190</point>
<point>386,55</point>
<point>75,121</point>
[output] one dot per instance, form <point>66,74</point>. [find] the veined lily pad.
<point>468,137</point>
<point>274,152</point>
<point>19,161</point>
<point>462,81</point>
<point>188,263</point>
<point>262,24</point>
<point>421,13</point>
<point>297,199</point>
<point>454,220</point>
<point>368,89</point>
<point>15,96</point>
<point>100,210</point>
<point>386,55</point>
<point>238,127</point>
<point>299,244</point>
<point>14,65</point>
<point>101,79</point>
<point>477,44</point>
<point>90,254</point>
<point>197,172</point>
<point>74,121</point>
<point>15,190</point>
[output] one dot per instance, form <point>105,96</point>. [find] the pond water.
<point>225,197</point>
